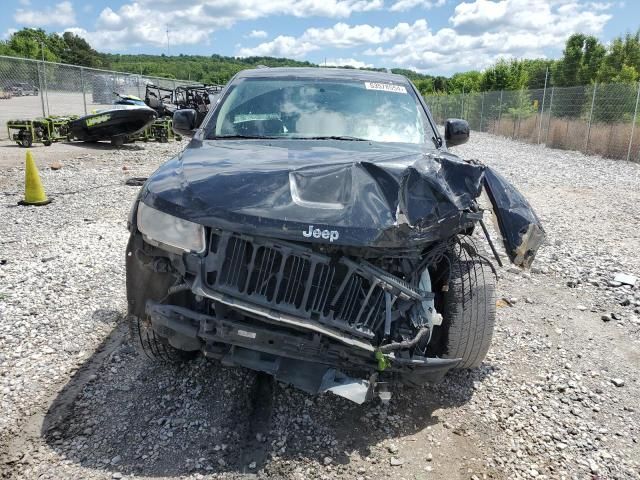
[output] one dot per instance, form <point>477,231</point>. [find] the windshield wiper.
<point>244,137</point>
<point>284,137</point>
<point>333,137</point>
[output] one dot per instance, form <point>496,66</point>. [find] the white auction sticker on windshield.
<point>385,87</point>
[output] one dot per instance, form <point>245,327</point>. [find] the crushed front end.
<point>316,318</point>
<point>341,275</point>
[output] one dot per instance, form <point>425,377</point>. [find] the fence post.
<point>593,99</point>
<point>546,138</point>
<point>633,124</point>
<point>46,88</point>
<point>462,105</point>
<point>481,111</point>
<point>499,111</point>
<point>544,94</point>
<point>84,95</point>
<point>44,114</point>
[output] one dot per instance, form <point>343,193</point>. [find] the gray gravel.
<point>556,398</point>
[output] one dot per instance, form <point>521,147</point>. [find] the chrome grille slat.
<point>297,280</point>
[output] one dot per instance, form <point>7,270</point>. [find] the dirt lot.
<point>556,398</point>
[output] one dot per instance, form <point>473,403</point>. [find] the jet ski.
<point>115,123</point>
<point>129,100</point>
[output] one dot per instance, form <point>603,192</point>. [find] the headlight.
<point>165,229</point>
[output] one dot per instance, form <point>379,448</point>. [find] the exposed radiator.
<point>339,292</point>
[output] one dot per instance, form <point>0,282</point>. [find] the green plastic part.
<point>383,362</point>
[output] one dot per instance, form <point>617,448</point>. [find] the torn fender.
<point>522,232</point>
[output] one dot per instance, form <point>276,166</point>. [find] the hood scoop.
<point>325,188</point>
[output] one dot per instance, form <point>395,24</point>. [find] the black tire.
<point>468,307</point>
<point>47,143</point>
<point>154,346</point>
<point>117,141</point>
<point>25,140</point>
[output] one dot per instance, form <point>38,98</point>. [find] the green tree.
<point>76,51</point>
<point>537,70</point>
<point>425,86</point>
<point>34,43</point>
<point>464,82</point>
<point>505,75</point>
<point>622,62</point>
<point>581,60</point>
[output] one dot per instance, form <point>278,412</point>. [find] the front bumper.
<point>168,292</point>
<point>307,360</point>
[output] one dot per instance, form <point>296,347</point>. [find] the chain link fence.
<point>598,119</point>
<point>33,88</point>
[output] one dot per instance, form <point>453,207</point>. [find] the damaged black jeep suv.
<point>317,229</point>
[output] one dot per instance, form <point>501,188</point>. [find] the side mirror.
<point>456,131</point>
<point>184,122</point>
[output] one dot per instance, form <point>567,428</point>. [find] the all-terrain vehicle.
<point>160,99</point>
<point>197,97</point>
<point>316,228</point>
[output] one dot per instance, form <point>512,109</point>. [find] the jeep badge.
<point>330,235</point>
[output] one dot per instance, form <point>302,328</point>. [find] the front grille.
<point>290,278</point>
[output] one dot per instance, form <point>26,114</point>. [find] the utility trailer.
<point>160,131</point>
<point>41,130</point>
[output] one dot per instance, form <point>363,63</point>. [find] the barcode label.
<point>385,87</point>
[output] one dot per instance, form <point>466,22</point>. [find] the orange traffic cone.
<point>33,189</point>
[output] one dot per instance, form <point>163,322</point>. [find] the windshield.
<point>328,108</point>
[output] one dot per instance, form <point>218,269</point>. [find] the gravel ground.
<point>556,398</point>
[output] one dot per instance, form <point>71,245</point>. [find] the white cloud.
<point>110,20</point>
<point>601,6</point>
<point>233,10</point>
<point>6,35</point>
<point>484,31</point>
<point>150,33</point>
<point>258,34</point>
<point>341,35</point>
<point>61,14</point>
<point>281,46</point>
<point>346,62</point>
<point>25,3</point>
<point>542,16</point>
<point>480,33</point>
<point>139,23</point>
<point>403,5</point>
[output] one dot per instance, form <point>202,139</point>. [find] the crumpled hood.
<point>348,193</point>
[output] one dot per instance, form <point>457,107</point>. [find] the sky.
<point>438,37</point>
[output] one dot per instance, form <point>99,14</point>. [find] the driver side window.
<point>258,115</point>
